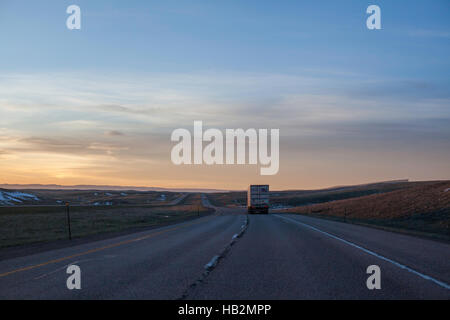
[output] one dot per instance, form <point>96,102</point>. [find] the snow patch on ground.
<point>9,197</point>
<point>22,196</point>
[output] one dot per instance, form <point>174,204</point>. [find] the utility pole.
<point>68,220</point>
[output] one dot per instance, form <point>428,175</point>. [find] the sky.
<point>98,105</point>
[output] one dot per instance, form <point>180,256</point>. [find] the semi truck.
<point>258,198</point>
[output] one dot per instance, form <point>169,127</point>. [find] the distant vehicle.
<point>258,199</point>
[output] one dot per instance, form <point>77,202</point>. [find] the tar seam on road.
<point>98,249</point>
<point>402,266</point>
<point>215,260</point>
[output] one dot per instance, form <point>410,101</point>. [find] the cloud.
<point>399,89</point>
<point>155,104</point>
<point>158,103</point>
<point>3,153</point>
<point>128,110</point>
<point>113,133</point>
<point>73,125</point>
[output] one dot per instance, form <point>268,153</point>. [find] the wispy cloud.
<point>113,133</point>
<point>94,128</point>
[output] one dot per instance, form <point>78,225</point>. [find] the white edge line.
<point>402,266</point>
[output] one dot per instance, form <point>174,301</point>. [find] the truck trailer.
<point>258,198</point>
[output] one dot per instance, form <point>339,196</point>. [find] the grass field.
<point>422,208</point>
<point>21,225</point>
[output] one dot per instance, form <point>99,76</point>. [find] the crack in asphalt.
<point>212,264</point>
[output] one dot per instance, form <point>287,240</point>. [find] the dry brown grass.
<point>423,207</point>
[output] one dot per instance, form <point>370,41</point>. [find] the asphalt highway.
<point>230,255</point>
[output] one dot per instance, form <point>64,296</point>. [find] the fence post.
<point>68,220</point>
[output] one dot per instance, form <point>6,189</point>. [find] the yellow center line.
<point>99,249</point>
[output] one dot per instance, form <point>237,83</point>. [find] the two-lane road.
<point>157,264</point>
<point>278,257</point>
